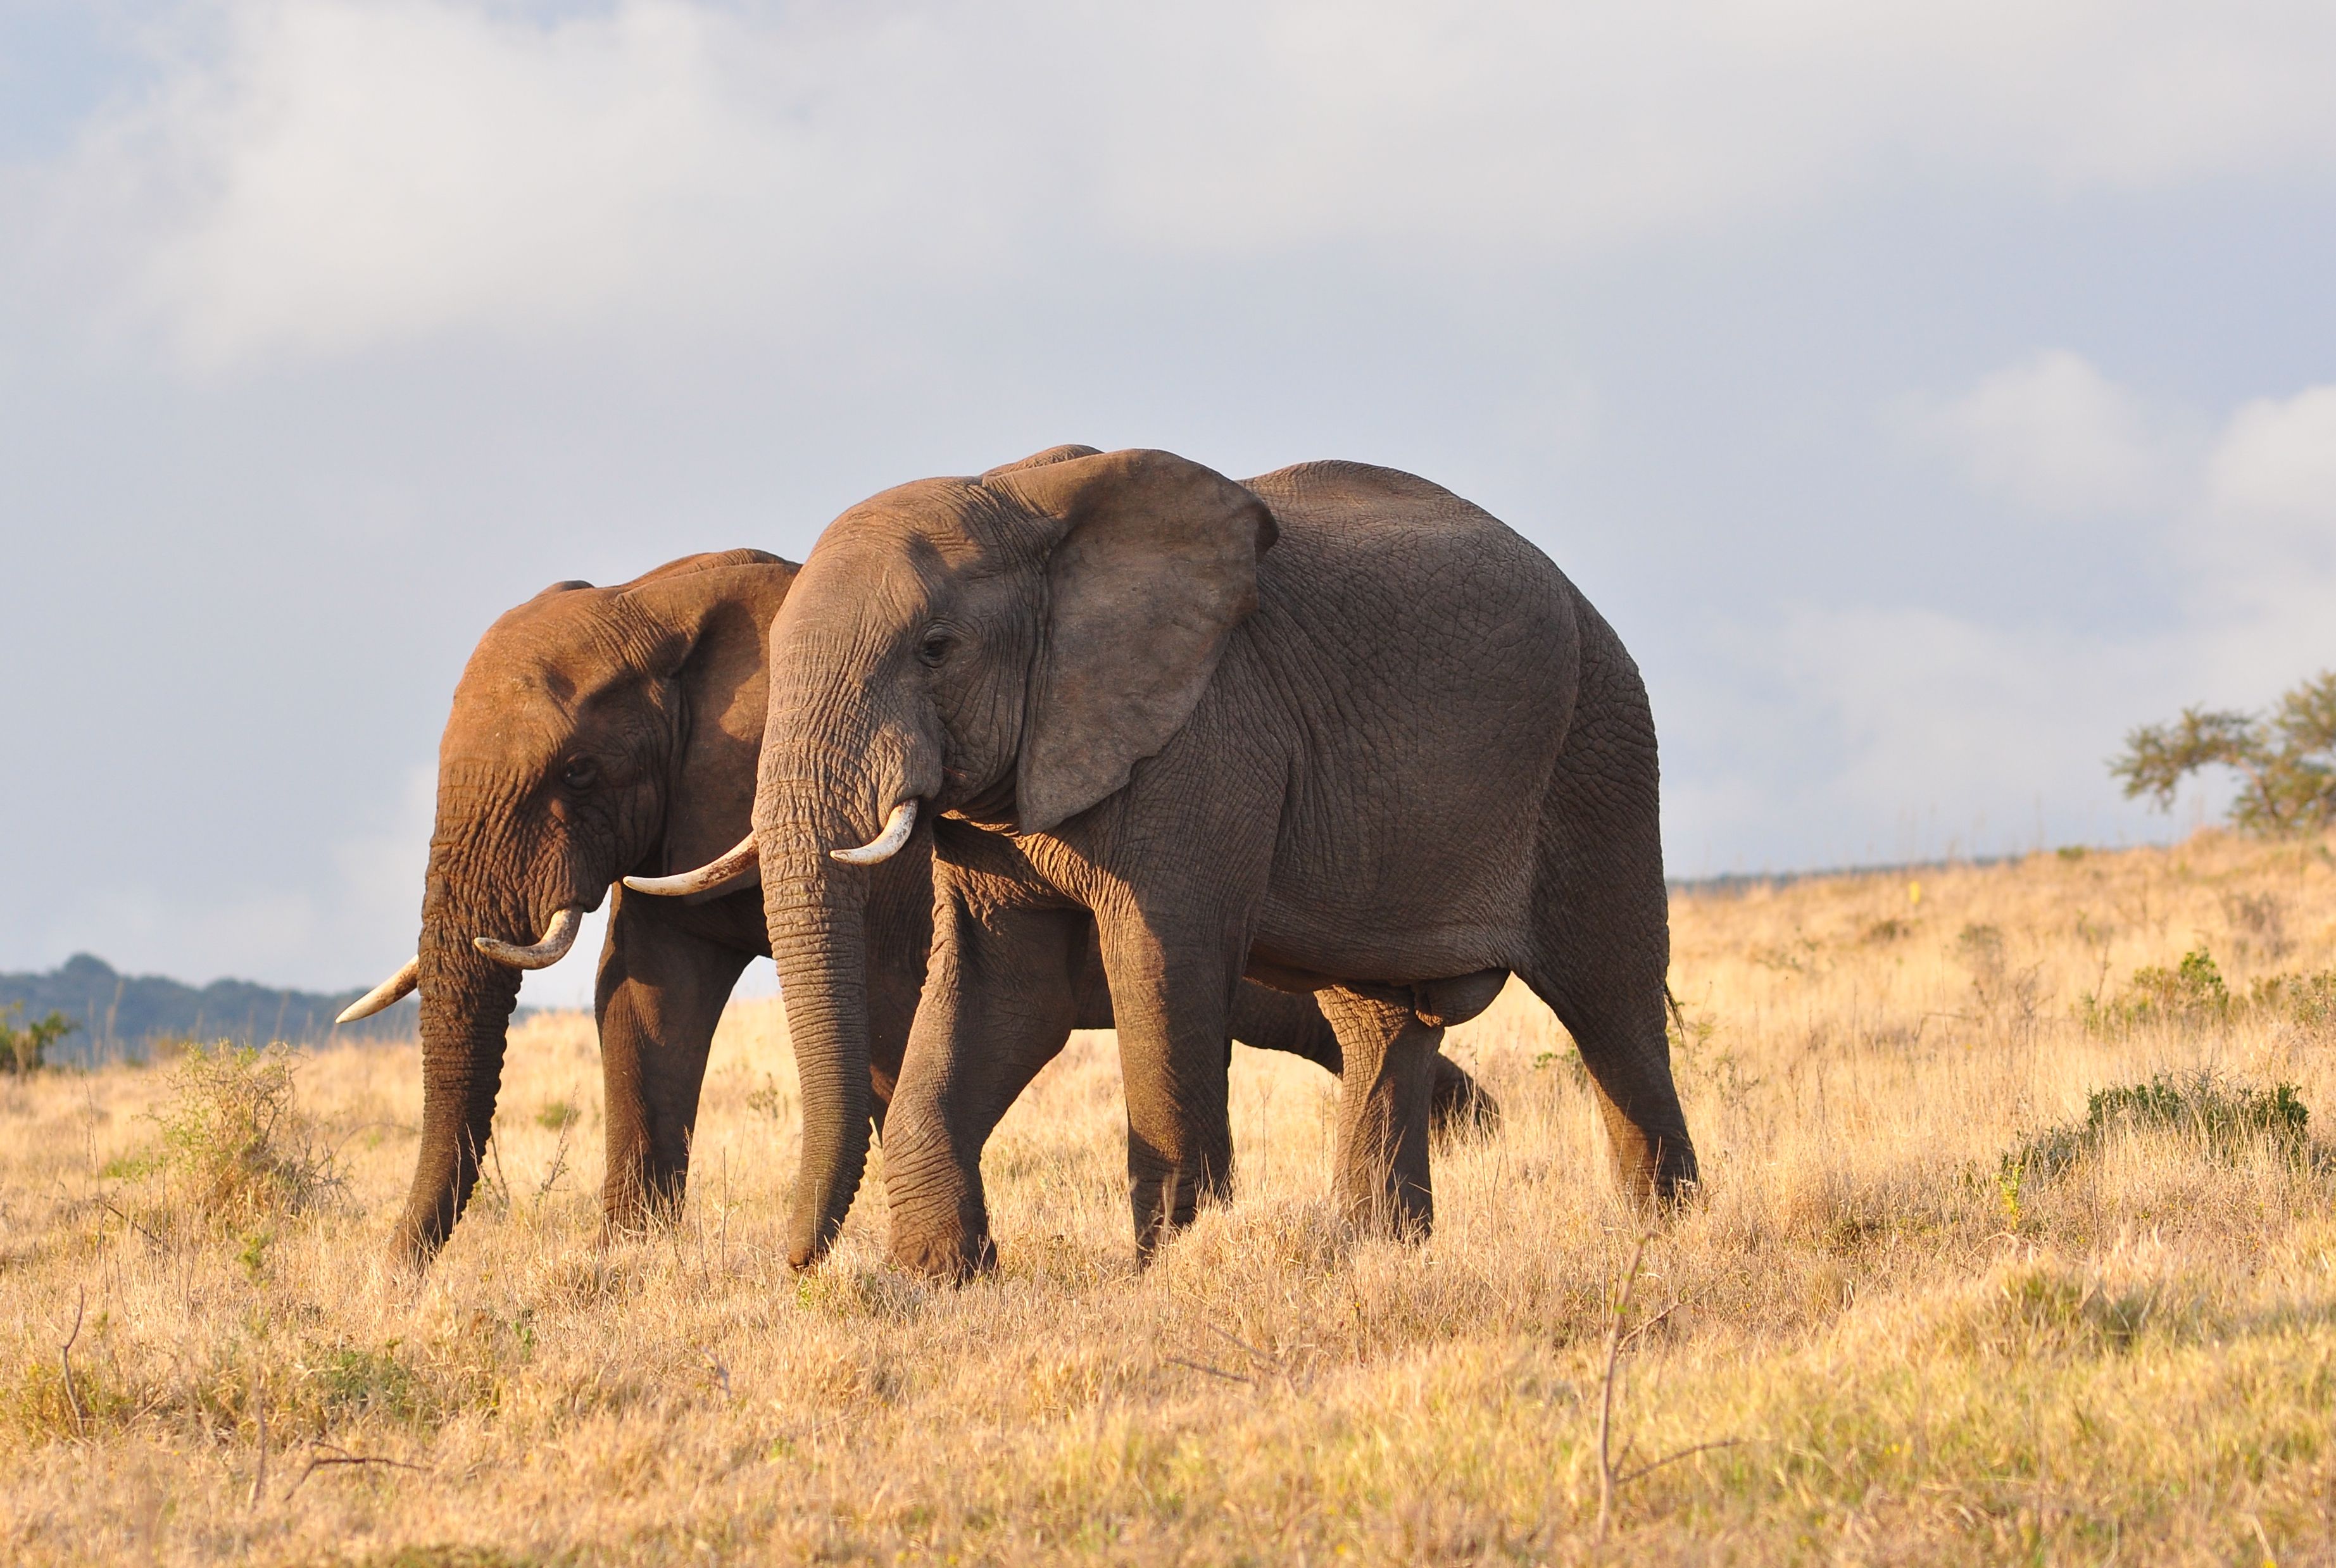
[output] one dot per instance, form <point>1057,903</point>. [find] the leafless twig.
<point>259,1411</point>
<point>1617,1315</point>
<point>65,1357</point>
<point>363,1127</point>
<point>1252,1351</point>
<point>1651,1466</point>
<point>1615,1471</point>
<point>133,1225</point>
<point>495,1153</point>
<point>558,1165</point>
<point>1212,1371</point>
<point>1652,1323</point>
<point>333,1455</point>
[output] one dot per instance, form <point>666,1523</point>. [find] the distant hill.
<point>124,1015</point>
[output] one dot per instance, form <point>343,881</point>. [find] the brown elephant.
<point>601,731</point>
<point>1334,727</point>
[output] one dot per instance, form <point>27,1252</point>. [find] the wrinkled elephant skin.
<point>1334,727</point>
<point>602,732</point>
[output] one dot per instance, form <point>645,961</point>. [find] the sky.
<point>1929,394</point>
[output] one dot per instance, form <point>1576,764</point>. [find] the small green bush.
<point>2306,999</point>
<point>2192,992</point>
<point>2192,989</point>
<point>26,1050</point>
<point>353,1381</point>
<point>2225,1115</point>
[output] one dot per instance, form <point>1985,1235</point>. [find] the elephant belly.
<point>1437,1003</point>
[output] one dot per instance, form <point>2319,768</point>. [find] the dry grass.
<point>1921,1351</point>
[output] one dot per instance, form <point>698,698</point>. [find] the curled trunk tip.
<point>558,938</point>
<point>898,826</point>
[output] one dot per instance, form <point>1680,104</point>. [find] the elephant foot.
<point>408,1256</point>
<point>1166,1205</point>
<point>641,1206</point>
<point>1402,1211</point>
<point>1657,1171</point>
<point>945,1260</point>
<point>1459,1104</point>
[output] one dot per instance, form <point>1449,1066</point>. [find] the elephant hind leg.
<point>1456,1103</point>
<point>1382,1165</point>
<point>1601,944</point>
<point>1605,984</point>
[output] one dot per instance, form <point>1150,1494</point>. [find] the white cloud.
<point>2052,435</point>
<point>2262,547</point>
<point>2275,473</point>
<point>1928,709</point>
<point>329,174</point>
<point>1936,711</point>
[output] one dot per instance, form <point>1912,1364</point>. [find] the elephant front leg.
<point>998,1003</point>
<point>1382,1172</point>
<point>1173,1000</point>
<point>660,995</point>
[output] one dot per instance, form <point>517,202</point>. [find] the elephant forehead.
<point>877,592</point>
<point>562,650</point>
<point>489,736</point>
<point>937,524</point>
<point>531,714</point>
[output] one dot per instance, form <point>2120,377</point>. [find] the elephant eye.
<point>936,646</point>
<point>579,775</point>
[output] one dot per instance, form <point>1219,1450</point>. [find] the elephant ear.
<point>1153,564</point>
<point>712,616</point>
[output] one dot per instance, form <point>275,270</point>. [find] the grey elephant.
<point>1334,729</point>
<point>599,731</point>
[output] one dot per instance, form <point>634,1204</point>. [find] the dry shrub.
<point>235,1149</point>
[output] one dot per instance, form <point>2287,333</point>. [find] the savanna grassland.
<point>2011,1247</point>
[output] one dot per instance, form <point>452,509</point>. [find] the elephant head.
<point>1004,650</point>
<point>572,721</point>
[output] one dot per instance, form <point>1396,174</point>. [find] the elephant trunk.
<point>817,918</point>
<point>850,748</point>
<point>816,795</point>
<point>467,999</point>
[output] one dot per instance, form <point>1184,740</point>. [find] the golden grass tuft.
<point>1918,1340</point>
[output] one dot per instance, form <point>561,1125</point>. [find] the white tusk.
<point>544,954</point>
<point>395,989</point>
<point>886,844</point>
<point>740,863</point>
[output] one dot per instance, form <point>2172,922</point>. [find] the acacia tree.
<point>26,1050</point>
<point>2285,759</point>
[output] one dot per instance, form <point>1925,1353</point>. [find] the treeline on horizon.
<point>118,1017</point>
